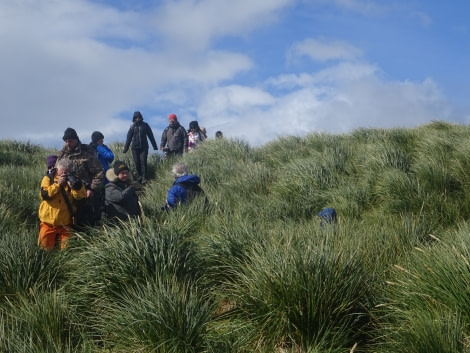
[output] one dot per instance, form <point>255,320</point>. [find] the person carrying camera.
<point>59,193</point>
<point>174,138</point>
<point>121,199</point>
<point>137,135</point>
<point>89,170</point>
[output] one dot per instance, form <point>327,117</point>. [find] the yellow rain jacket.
<point>53,209</point>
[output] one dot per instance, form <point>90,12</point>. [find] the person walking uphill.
<point>89,170</point>
<point>137,135</point>
<point>174,138</point>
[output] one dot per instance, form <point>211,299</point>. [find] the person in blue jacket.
<point>103,152</point>
<point>184,188</point>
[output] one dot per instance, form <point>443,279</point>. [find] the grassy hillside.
<point>255,271</point>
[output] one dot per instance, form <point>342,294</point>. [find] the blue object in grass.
<point>328,216</point>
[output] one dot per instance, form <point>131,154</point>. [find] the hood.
<point>112,177</point>
<point>190,178</point>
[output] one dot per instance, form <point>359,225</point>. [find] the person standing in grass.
<point>121,199</point>
<point>89,170</point>
<point>137,139</point>
<point>58,193</point>
<point>174,139</point>
<point>103,152</point>
<point>195,136</point>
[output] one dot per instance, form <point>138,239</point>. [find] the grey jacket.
<point>175,137</point>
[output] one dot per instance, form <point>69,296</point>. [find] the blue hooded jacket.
<point>177,193</point>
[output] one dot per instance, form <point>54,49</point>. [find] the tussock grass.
<point>253,271</point>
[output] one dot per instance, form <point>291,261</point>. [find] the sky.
<point>257,70</point>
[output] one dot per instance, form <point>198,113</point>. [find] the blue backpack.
<point>328,216</point>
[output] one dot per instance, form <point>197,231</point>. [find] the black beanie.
<point>193,125</point>
<point>120,166</point>
<point>96,136</point>
<point>70,133</point>
<point>136,115</point>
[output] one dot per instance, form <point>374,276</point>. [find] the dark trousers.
<point>140,161</point>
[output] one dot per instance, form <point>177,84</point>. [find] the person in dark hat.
<point>50,162</point>
<point>89,170</point>
<point>137,140</point>
<point>174,139</point>
<point>195,136</point>
<point>121,199</point>
<point>103,152</point>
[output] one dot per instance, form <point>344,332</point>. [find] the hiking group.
<point>83,187</point>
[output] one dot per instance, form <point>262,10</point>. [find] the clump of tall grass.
<point>19,191</point>
<point>19,153</point>
<point>427,301</point>
<point>306,296</point>
<point>126,255</point>
<point>23,266</point>
<point>41,322</point>
<point>169,316</point>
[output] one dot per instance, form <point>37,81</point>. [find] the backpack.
<point>193,191</point>
<point>328,216</point>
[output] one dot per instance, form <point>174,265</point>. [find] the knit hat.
<point>172,116</point>
<point>136,115</point>
<point>50,161</point>
<point>69,134</point>
<point>96,136</point>
<point>120,166</point>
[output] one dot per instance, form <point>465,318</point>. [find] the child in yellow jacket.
<point>59,190</point>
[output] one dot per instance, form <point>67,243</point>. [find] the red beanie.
<point>172,116</point>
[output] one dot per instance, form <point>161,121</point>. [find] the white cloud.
<point>56,71</point>
<point>195,24</point>
<point>75,63</point>
<point>365,7</point>
<point>323,50</point>
<point>333,106</point>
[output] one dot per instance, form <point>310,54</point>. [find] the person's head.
<point>121,170</point>
<point>193,126</point>
<point>97,138</point>
<point>172,119</point>
<point>70,138</point>
<point>179,170</point>
<point>64,166</point>
<point>51,161</point>
<point>219,135</point>
<point>137,117</point>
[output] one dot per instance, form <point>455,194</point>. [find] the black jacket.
<point>121,200</point>
<point>137,134</point>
